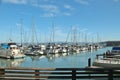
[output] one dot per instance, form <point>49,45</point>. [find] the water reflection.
<point>11,62</point>
<point>55,57</point>
<point>36,58</point>
<point>54,60</point>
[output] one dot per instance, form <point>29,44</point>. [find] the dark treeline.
<point>112,43</point>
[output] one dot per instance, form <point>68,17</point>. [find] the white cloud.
<point>83,30</point>
<point>84,2</point>
<point>48,15</point>
<point>68,7</point>
<point>45,0</point>
<point>53,10</point>
<point>61,33</point>
<point>47,7</point>
<point>50,8</point>
<point>67,13</point>
<point>116,0</point>
<point>15,1</point>
<point>50,1</point>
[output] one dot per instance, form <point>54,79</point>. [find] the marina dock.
<point>59,40</point>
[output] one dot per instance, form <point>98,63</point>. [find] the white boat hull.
<point>17,56</point>
<point>107,63</point>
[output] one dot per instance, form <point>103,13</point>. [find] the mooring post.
<point>2,74</point>
<point>89,62</point>
<point>104,55</point>
<point>110,75</point>
<point>73,74</point>
<point>37,74</point>
<point>97,57</point>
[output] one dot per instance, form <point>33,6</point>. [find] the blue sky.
<point>91,18</point>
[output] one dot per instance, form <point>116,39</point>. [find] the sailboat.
<point>34,49</point>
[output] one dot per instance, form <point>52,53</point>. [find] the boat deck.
<point>5,57</point>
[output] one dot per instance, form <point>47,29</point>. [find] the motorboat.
<point>109,58</point>
<point>10,50</point>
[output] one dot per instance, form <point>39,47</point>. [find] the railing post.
<point>89,62</point>
<point>110,75</point>
<point>2,74</point>
<point>37,74</point>
<point>73,74</point>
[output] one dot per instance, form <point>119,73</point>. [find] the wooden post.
<point>2,74</point>
<point>97,57</point>
<point>37,74</point>
<point>89,62</point>
<point>104,55</point>
<point>73,74</point>
<point>110,75</point>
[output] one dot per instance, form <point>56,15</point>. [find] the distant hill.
<point>112,43</point>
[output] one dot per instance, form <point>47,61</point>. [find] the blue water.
<point>71,60</point>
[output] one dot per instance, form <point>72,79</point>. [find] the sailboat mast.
<point>68,35</point>
<point>21,31</point>
<point>32,30</point>
<point>53,30</point>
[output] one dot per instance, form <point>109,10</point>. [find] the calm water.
<point>71,60</point>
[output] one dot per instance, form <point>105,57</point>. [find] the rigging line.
<point>50,37</point>
<point>36,36</point>
<point>68,34</point>
<point>21,30</point>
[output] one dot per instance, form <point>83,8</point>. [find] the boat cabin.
<point>10,46</point>
<point>115,50</point>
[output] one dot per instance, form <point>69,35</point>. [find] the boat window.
<point>114,51</point>
<point>13,47</point>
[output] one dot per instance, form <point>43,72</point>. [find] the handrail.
<point>13,73</point>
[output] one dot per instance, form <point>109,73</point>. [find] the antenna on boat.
<point>10,38</point>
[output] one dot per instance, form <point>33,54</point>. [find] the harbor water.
<point>62,60</point>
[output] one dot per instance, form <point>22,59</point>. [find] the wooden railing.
<point>58,73</point>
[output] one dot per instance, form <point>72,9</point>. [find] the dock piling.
<point>73,74</point>
<point>110,75</point>
<point>2,73</point>
<point>37,74</point>
<point>89,62</point>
